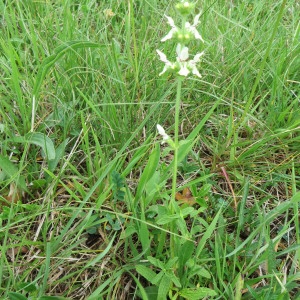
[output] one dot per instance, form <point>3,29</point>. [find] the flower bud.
<point>183,37</point>
<point>185,7</point>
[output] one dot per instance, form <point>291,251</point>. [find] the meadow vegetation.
<point>85,183</point>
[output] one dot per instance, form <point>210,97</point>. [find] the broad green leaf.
<point>146,272</point>
<point>185,252</point>
<point>186,211</point>
<point>11,171</point>
<point>156,262</point>
<point>158,278</point>
<point>39,139</point>
<point>200,271</point>
<point>16,296</point>
<point>42,140</point>
<point>171,262</point>
<point>59,153</point>
<point>174,279</point>
<point>7,166</point>
<point>144,236</point>
<point>164,287</point>
<point>166,219</point>
<point>195,294</point>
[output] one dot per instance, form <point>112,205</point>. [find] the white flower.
<point>172,31</point>
<point>162,132</point>
<point>188,29</point>
<point>168,64</point>
<point>182,53</point>
<point>192,64</point>
<point>182,65</point>
<point>186,66</point>
<point>192,28</point>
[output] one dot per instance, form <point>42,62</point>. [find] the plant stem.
<point>175,162</point>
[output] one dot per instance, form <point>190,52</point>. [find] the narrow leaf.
<point>101,255</point>
<point>208,233</point>
<point>195,294</point>
<point>148,171</point>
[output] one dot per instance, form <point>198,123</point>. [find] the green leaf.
<point>208,233</point>
<point>148,171</point>
<point>117,186</point>
<point>39,139</point>
<point>144,236</point>
<point>146,272</point>
<point>171,262</point>
<point>156,262</point>
<point>102,254</point>
<point>166,219</point>
<point>59,153</point>
<point>185,253</point>
<point>16,296</point>
<point>7,166</point>
<point>52,298</point>
<point>195,294</point>
<point>158,278</point>
<point>174,279</point>
<point>11,171</point>
<point>186,211</point>
<point>141,291</point>
<point>238,287</point>
<point>271,257</point>
<point>164,288</point>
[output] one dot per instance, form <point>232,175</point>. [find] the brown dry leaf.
<point>185,196</point>
<point>14,194</point>
<point>13,252</point>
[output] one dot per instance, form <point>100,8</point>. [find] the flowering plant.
<point>182,66</point>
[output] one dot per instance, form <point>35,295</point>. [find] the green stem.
<point>175,162</point>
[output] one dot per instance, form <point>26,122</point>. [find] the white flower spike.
<point>189,29</point>
<point>162,132</point>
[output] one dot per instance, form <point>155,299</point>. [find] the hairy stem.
<point>175,161</point>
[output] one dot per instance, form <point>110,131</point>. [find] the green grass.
<point>85,183</point>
